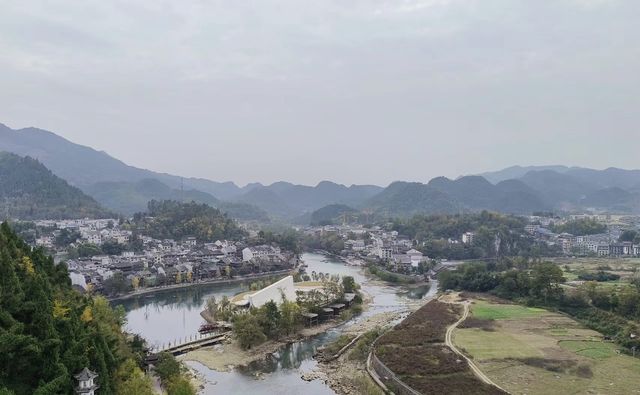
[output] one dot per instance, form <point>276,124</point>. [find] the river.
<point>163,317</point>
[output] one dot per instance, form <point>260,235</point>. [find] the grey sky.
<point>352,91</point>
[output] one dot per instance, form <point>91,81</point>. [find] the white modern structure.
<point>274,292</point>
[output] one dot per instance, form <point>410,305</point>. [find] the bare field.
<point>544,353</point>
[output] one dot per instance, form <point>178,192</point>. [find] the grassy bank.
<point>388,276</point>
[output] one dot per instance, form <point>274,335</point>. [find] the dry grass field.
<point>415,351</point>
<point>624,267</point>
<point>534,351</point>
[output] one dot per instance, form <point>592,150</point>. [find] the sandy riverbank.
<point>348,376</point>
<point>224,357</point>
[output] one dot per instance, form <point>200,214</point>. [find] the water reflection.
<point>166,316</point>
<point>416,293</point>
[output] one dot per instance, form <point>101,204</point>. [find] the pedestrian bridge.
<point>183,346</point>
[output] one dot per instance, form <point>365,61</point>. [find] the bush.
<point>180,386</point>
<point>362,347</point>
<point>167,368</point>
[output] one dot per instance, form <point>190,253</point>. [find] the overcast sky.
<point>351,91</point>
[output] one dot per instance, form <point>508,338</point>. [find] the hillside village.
<point>157,262</point>
<point>116,261</point>
<point>402,254</point>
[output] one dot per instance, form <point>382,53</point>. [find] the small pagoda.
<point>86,383</point>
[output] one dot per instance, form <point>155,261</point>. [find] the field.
<point>432,366</point>
<point>624,267</point>
<point>488,311</point>
<point>534,351</point>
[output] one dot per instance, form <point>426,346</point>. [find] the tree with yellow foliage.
<point>60,311</point>
<point>27,265</point>
<point>87,315</point>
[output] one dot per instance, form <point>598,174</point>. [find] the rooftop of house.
<point>85,374</point>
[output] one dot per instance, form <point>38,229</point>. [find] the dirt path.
<point>449,342</point>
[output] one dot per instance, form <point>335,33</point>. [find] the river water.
<point>164,317</point>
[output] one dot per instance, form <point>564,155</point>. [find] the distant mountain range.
<point>126,189</point>
<point>28,190</point>
<point>518,189</point>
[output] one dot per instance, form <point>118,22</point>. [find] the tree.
<point>130,380</point>
<point>180,386</point>
<point>116,284</point>
<point>88,250</point>
<point>112,248</point>
<point>546,278</point>
<point>629,235</point>
<point>66,237</point>
<point>212,306</point>
<point>248,331</point>
<point>290,316</point>
<point>167,367</point>
<point>348,284</point>
<point>269,318</point>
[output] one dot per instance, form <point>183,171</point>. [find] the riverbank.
<point>347,373</point>
<point>225,357</point>
<point>234,280</point>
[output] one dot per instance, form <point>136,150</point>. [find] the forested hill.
<point>49,332</point>
<point>170,219</point>
<point>28,190</point>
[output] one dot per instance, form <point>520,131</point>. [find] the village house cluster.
<point>602,244</point>
<point>374,243</point>
<point>157,262</point>
<point>93,231</point>
<point>167,262</point>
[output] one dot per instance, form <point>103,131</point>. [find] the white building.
<point>467,237</point>
<point>274,292</point>
<point>258,252</point>
<point>416,257</point>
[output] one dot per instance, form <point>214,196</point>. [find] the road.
<point>449,342</point>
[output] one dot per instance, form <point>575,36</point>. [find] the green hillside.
<point>28,190</point>
<point>49,332</point>
<point>175,220</point>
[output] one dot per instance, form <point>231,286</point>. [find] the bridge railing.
<point>198,337</point>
